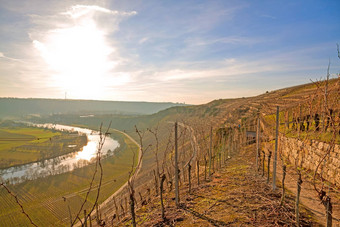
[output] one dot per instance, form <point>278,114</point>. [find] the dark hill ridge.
<point>20,107</point>
<point>216,113</point>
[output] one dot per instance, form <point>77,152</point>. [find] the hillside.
<point>234,196</point>
<point>19,107</point>
<point>233,159</point>
<point>238,113</point>
<point>218,112</point>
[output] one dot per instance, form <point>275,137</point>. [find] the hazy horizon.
<point>164,51</point>
<point>112,100</point>
<point>99,100</point>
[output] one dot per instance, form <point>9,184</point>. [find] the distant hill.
<point>20,107</point>
<point>216,113</point>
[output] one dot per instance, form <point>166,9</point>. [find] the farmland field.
<point>22,144</point>
<point>47,200</point>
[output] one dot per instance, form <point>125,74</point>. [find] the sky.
<point>189,51</point>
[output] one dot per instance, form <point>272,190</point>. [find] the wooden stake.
<point>176,167</point>
<point>276,145</point>
<point>257,144</point>
<point>210,152</point>
<point>297,201</point>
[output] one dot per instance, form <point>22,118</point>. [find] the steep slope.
<point>241,113</point>
<point>235,114</point>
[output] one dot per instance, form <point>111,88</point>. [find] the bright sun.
<point>80,57</point>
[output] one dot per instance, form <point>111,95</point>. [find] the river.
<point>63,163</point>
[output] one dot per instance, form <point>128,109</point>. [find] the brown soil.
<point>309,197</point>
<point>235,196</point>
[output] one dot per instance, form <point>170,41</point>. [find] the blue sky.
<point>178,51</point>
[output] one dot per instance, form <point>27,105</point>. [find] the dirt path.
<point>234,197</point>
<point>309,196</point>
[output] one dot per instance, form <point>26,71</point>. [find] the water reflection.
<point>63,163</point>
<point>88,152</point>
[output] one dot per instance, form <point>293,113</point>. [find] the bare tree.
<point>132,175</point>
<point>18,202</point>
<point>98,165</point>
<point>327,109</point>
<point>160,172</point>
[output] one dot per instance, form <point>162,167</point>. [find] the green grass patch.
<point>20,145</point>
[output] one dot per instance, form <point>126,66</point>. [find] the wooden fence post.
<point>276,145</point>
<point>257,143</point>
<point>132,209</point>
<point>210,153</point>
<point>189,177</point>
<point>156,182</point>
<point>329,210</point>
<point>224,150</point>
<point>264,158</point>
<point>268,165</point>
<point>176,167</point>
<point>161,195</point>
<point>198,171</point>
<point>85,219</point>
<point>116,207</point>
<point>297,215</point>
<point>284,171</point>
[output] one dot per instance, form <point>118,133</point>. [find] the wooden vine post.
<point>257,143</point>
<point>276,145</point>
<point>210,153</point>
<point>297,200</point>
<point>176,167</point>
<point>329,211</point>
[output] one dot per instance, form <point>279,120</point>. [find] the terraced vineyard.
<point>220,128</point>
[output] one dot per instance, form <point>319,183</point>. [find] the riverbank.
<point>47,199</point>
<point>22,144</point>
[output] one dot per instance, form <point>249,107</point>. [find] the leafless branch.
<point>18,202</point>
<point>98,163</point>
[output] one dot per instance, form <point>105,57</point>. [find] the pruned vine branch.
<point>18,202</point>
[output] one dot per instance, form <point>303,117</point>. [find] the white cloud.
<point>81,10</point>
<point>3,56</point>
<point>230,61</point>
<point>143,40</point>
<point>268,16</point>
<point>234,40</point>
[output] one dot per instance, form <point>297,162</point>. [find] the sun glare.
<point>80,57</point>
<point>88,152</point>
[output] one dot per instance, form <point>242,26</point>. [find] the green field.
<point>43,198</point>
<point>20,145</point>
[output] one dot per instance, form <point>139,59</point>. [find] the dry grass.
<point>235,196</point>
